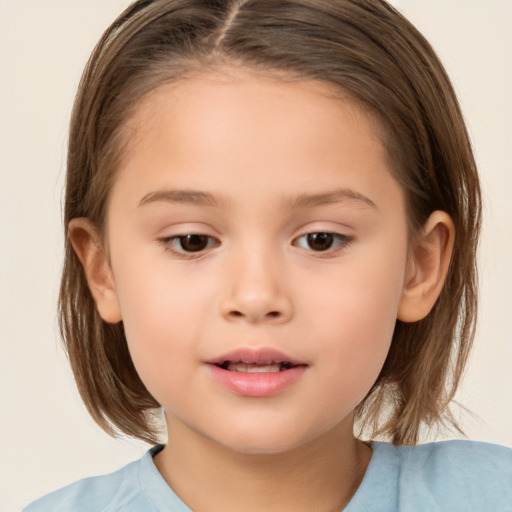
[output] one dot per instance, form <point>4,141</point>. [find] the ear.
<point>427,267</point>
<point>89,248</point>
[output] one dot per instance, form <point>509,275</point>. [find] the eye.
<point>190,243</point>
<point>322,241</point>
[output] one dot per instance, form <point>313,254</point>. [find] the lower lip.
<point>257,385</point>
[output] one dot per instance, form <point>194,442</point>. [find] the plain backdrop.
<point>46,437</point>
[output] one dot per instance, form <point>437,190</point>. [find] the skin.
<point>259,147</point>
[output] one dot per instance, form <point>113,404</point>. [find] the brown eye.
<point>322,241</point>
<point>193,242</point>
<point>190,245</point>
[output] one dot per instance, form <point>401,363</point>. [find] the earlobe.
<point>428,264</point>
<point>89,248</point>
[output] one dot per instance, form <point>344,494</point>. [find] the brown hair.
<point>365,48</point>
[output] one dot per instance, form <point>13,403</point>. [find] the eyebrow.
<point>194,197</point>
<point>333,197</point>
<point>200,198</point>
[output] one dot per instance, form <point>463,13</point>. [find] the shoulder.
<point>457,475</point>
<point>459,458</point>
<point>107,493</point>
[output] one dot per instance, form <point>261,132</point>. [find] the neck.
<point>321,475</point>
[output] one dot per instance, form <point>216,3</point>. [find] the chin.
<point>264,443</point>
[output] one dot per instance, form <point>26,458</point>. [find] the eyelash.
<point>174,244</point>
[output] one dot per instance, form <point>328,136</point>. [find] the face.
<point>258,249</point>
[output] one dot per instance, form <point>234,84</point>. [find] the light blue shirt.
<point>450,476</point>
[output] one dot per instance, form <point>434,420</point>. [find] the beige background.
<point>46,437</point>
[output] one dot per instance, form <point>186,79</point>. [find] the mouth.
<point>256,360</point>
<point>260,367</point>
<point>256,372</point>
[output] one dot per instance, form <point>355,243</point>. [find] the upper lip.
<point>256,355</point>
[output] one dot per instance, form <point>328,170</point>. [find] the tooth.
<point>254,368</point>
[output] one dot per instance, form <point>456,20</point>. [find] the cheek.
<point>157,296</point>
<point>355,317</point>
<point>355,340</point>
<point>162,317</point>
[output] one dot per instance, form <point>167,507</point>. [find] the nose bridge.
<point>256,287</point>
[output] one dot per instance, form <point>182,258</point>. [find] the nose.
<point>256,290</point>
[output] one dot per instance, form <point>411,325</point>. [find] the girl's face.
<point>258,246</point>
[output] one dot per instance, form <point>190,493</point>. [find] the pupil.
<point>320,241</point>
<point>193,243</point>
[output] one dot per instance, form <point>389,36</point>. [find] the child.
<point>272,212</point>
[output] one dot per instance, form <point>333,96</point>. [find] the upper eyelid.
<point>346,233</point>
<point>330,231</point>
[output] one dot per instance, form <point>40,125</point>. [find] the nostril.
<point>239,314</point>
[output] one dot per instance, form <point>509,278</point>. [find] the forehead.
<point>221,99</point>
<point>270,131</point>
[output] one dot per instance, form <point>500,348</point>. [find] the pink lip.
<point>256,385</point>
<point>255,355</point>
